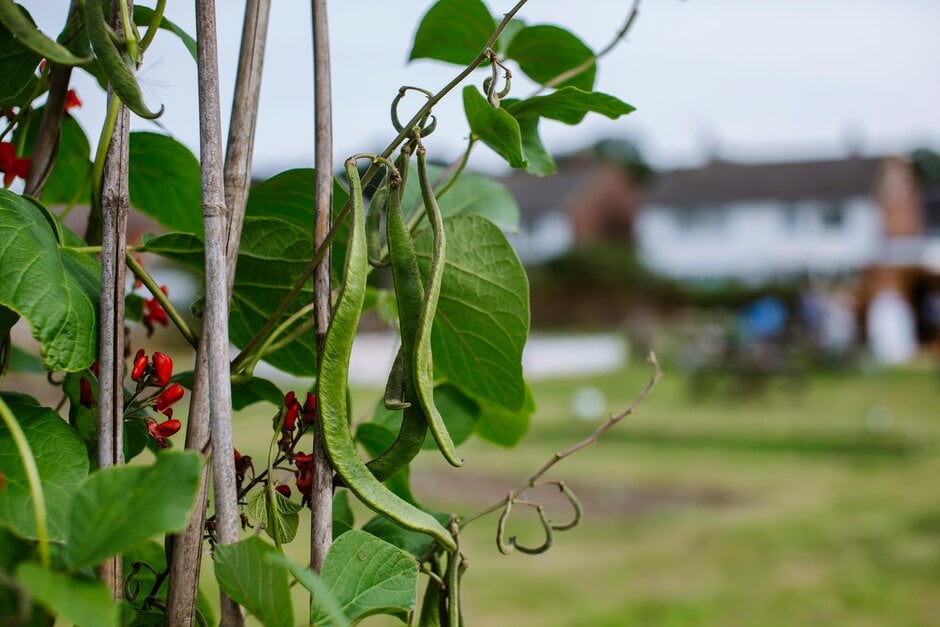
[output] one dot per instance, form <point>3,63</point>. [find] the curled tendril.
<point>50,377</point>
<point>489,83</point>
<point>575,505</point>
<point>132,585</point>
<point>506,547</point>
<point>427,124</point>
<point>546,526</point>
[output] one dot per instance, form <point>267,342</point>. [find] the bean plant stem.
<point>321,497</point>
<point>216,311</point>
<point>144,277</point>
<point>153,26</point>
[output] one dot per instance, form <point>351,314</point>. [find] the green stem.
<point>266,347</point>
<point>130,33</point>
<point>32,477</point>
<point>453,172</point>
<point>104,142</point>
<point>84,250</point>
<point>153,26</point>
<point>290,337</point>
<point>271,492</point>
<point>154,289</point>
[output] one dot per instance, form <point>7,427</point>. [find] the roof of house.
<point>539,195</point>
<point>722,182</point>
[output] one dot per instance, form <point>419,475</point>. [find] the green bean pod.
<point>27,34</point>
<point>410,296</point>
<point>118,69</point>
<point>395,397</point>
<point>332,385</point>
<point>423,365</point>
<point>374,224</point>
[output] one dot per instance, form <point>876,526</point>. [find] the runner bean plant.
<point>105,508</point>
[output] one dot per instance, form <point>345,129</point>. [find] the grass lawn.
<point>816,505</point>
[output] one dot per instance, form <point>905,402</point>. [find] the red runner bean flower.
<point>162,369</point>
<point>167,397</point>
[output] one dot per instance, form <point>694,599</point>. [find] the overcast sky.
<point>775,79</point>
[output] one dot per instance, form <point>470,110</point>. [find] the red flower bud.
<point>289,399</point>
<point>140,364</point>
<point>310,409</point>
<point>167,397</point>
<point>162,369</point>
<point>154,313</point>
<point>86,397</point>
<point>94,368</point>
<point>71,100</point>
<point>164,429</point>
<point>303,462</point>
<point>284,489</point>
<point>290,417</point>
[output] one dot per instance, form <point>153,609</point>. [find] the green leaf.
<point>460,415</point>
<point>367,576</point>
<point>376,438</point>
<point>482,318</point>
<point>249,576</point>
<point>503,427</point>
<point>494,127</point>
<point>153,499</point>
<point>244,393</point>
<point>454,31</point>
<point>541,162</point>
<point>311,581</point>
<point>410,541</point>
<point>70,179</point>
<point>21,361</point>
<point>144,15</point>
<point>569,105</point>
<point>60,459</point>
<point>509,33</point>
<point>544,51</point>
<point>17,70</point>
<point>343,519</point>
<point>164,181</point>
<point>287,514</point>
<point>471,193</point>
<point>290,195</point>
<point>21,25</point>
<point>55,289</point>
<point>273,253</point>
<point>73,598</point>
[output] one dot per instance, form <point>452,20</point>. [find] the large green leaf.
<point>120,507</point>
<point>60,459</point>
<point>503,427</point>
<point>367,576</point>
<point>471,193</point>
<point>83,601</point>
<point>164,181</point>
<point>326,604</point>
<point>460,415</point>
<point>569,105</point>
<point>17,70</point>
<point>544,52</point>
<point>248,575</point>
<point>454,31</point>
<point>55,289</point>
<point>482,318</point>
<point>273,253</point>
<point>291,196</point>
<point>494,127</point>
<point>540,161</point>
<point>70,179</point>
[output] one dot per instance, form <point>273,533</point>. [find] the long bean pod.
<point>332,386</point>
<point>423,365</point>
<point>410,296</point>
<point>374,223</point>
<point>27,34</point>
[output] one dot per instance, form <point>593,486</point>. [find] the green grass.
<point>775,509</point>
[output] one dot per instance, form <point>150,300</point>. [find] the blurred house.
<point>588,199</point>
